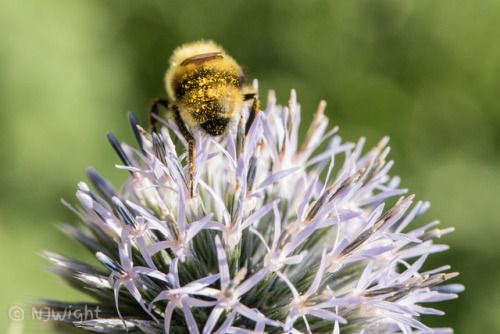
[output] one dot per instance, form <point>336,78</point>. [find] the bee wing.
<point>201,58</point>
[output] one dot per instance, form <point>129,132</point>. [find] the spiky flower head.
<point>281,236</point>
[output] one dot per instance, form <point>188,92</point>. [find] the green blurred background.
<point>424,72</point>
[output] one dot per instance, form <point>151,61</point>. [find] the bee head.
<point>215,126</point>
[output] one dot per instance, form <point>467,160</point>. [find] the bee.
<point>207,89</point>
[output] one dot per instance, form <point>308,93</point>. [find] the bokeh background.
<point>424,72</point>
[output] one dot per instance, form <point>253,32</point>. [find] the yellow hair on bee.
<point>194,48</point>
<point>206,85</point>
<point>188,50</point>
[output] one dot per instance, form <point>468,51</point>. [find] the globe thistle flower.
<point>281,236</point>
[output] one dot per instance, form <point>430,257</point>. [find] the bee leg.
<point>191,151</point>
<point>154,112</point>
<point>254,110</point>
<point>191,148</point>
